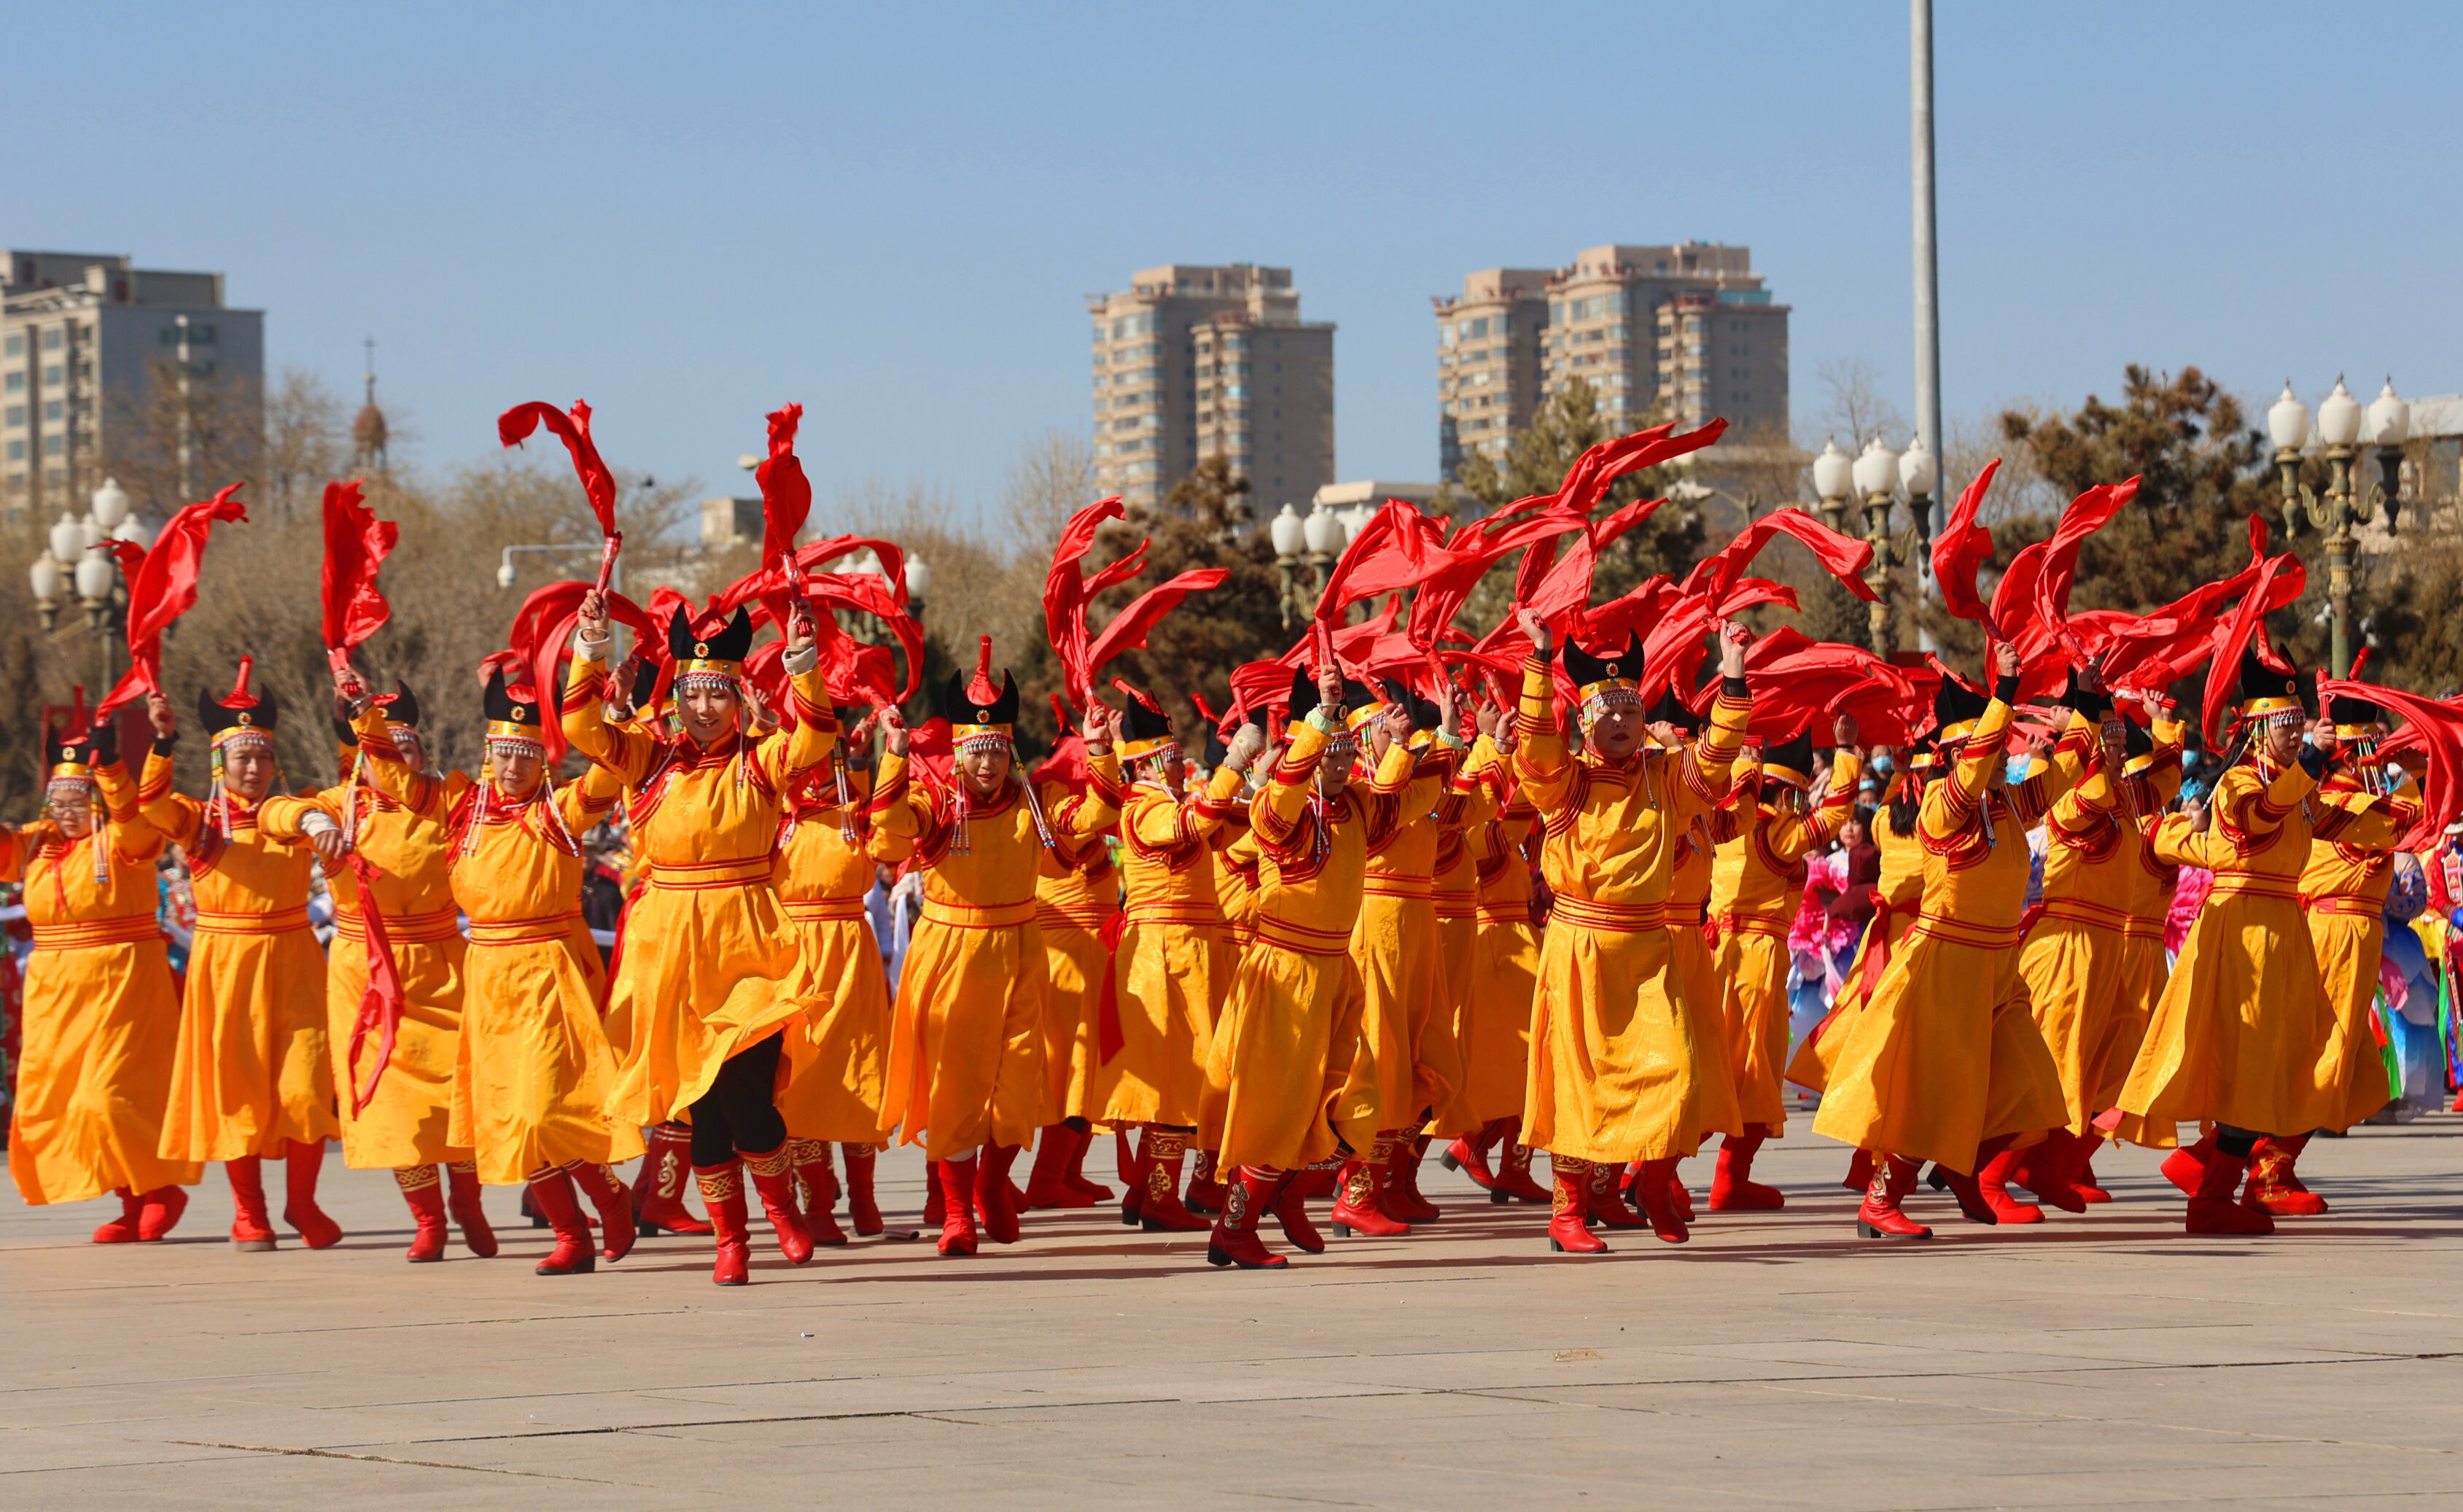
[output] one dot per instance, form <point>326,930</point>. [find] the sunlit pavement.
<point>1775,1360</point>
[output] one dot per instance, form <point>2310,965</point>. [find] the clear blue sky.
<point>690,214</point>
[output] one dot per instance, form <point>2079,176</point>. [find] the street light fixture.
<point>1833,473</point>
<point>71,563</point>
<point>1287,534</point>
<point>1876,476</point>
<point>2341,423</point>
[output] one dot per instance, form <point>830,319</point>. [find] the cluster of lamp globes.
<point>1871,473</point>
<point>2342,422</point>
<point>1322,532</point>
<point>70,560</point>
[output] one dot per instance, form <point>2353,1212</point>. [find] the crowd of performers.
<point>1500,897</point>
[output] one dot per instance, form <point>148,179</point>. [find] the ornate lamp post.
<point>1322,533</point>
<point>1832,474</point>
<point>72,564</point>
<point>2341,425</point>
<point>1876,477</point>
<point>1286,531</point>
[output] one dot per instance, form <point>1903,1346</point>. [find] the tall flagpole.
<point>1927,276</point>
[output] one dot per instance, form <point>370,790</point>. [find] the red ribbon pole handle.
<point>607,559</point>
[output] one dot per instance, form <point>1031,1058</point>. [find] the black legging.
<point>736,1113</point>
<point>2236,1143</point>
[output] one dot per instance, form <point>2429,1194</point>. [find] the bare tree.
<point>1857,410</point>
<point>224,416</point>
<point>1052,478</point>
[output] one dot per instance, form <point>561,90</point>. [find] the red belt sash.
<point>1375,886</point>
<point>433,927</point>
<point>1959,931</point>
<point>822,910</point>
<point>2346,905</point>
<point>2244,885</point>
<point>523,931</point>
<point>1750,924</point>
<point>1174,910</point>
<point>1301,939</point>
<point>1059,915</point>
<point>1617,919</point>
<point>2085,911</point>
<point>78,934</point>
<point>700,876</point>
<point>281,922</point>
<point>966,915</point>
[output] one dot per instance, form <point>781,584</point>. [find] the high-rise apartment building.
<point>1198,362</point>
<point>1688,331</point>
<point>82,337</point>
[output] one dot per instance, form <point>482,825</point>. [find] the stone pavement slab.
<point>1776,1361</point>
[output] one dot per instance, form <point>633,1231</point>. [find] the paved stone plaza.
<point>1777,1360</point>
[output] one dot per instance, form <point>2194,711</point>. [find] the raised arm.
<point>175,817</point>
<point>1275,813</point>
<point>789,754</point>
<point>1790,837</point>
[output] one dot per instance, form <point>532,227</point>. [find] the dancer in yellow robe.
<point>966,1044</point>
<point>1613,1049</point>
<point>702,991</point>
<point>534,1077</point>
<point>1944,1061</point>
<point>1756,886</point>
<point>253,1077</point>
<point>1077,905</point>
<point>2352,839</point>
<point>404,1127</point>
<point>1289,1037</point>
<point>1172,967</point>
<point>102,1012</point>
<point>2233,1041</point>
<point>836,1062</point>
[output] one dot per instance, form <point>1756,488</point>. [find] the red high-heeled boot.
<point>863,1209</point>
<point>957,1214</point>
<point>818,1190</point>
<point>613,1199</point>
<point>1047,1180</point>
<point>2185,1168</point>
<point>470,1215</point>
<point>551,1193</point>
<point>1879,1216</point>
<point>1160,1209</point>
<point>160,1211</point>
<point>1967,1188</point>
<point>1402,1196</point>
<point>1602,1204</point>
<point>1568,1232</point>
<point>2211,1209</point>
<point>1291,1205</point>
<point>1656,1177</point>
<point>250,1229</point>
<point>1468,1153</point>
<point>1203,1193</point>
<point>774,1176</point>
<point>1075,1177</point>
<point>2274,1185</point>
<point>1992,1186</point>
<point>1358,1204</point>
<point>659,1190</point>
<point>722,1198</point>
<point>996,1198</point>
<point>1733,1187</point>
<point>122,1230</point>
<point>425,1192</point>
<point>1234,1241</point>
<point>1513,1181</point>
<point>299,1209</point>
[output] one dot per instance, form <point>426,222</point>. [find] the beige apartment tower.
<point>1688,331</point>
<point>82,336</point>
<point>1196,361</point>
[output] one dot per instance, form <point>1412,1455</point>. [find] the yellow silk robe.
<point>2234,1037</point>
<point>1290,1031</point>
<point>1407,1065</point>
<point>1756,886</point>
<point>1898,886</point>
<point>838,1054</point>
<point>2145,963</point>
<point>1504,963</point>
<point>2343,889</point>
<point>966,1039</point>
<point>1614,1052</point>
<point>1466,808</point>
<point>1173,962</point>
<point>1945,1054</point>
<point>1235,880</point>
<point>1077,895</point>
<point>253,1071</point>
<point>405,1125</point>
<point>2072,959</point>
<point>704,969</point>
<point>101,1014</point>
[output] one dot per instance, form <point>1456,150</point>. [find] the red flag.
<point>381,1005</point>
<point>2086,514</point>
<point>1843,557</point>
<point>356,544</point>
<point>1130,627</point>
<point>1400,546</point>
<point>1962,547</point>
<point>2432,726</point>
<point>2279,581</point>
<point>542,637</point>
<point>162,587</point>
<point>1566,591</point>
<point>786,501</point>
<point>514,426</point>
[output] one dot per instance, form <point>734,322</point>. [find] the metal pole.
<point>1927,273</point>
<point>187,483</point>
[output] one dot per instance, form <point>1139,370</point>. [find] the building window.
<point>55,445</point>
<point>16,383</point>
<point>16,347</point>
<point>52,339</point>
<point>51,376</point>
<point>16,416</point>
<point>16,451</point>
<point>53,409</point>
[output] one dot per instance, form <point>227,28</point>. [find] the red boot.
<point>2081,1171</point>
<point>1468,1153</point>
<point>863,1209</point>
<point>613,1199</point>
<point>1657,1176</point>
<point>1880,1216</point>
<point>1159,1210</point>
<point>659,1191</point>
<point>1359,1207</point>
<point>774,1176</point>
<point>2273,1186</point>
<point>1096,1193</point>
<point>996,1198</point>
<point>1732,1188</point>
<point>1205,1194</point>
<point>1291,1206</point>
<point>162,1207</point>
<point>957,1215</point>
<point>722,1198</point>
<point>817,1189</point>
<point>469,1214</point>
<point>1969,1189</point>
<point>1047,1182</point>
<point>1567,1232</point>
<point>1680,1202</point>
<point>1234,1241</point>
<point>1514,1183</point>
<point>122,1230</point>
<point>2186,1167</point>
<point>1602,1204</point>
<point>551,1193</point>
<point>1993,1187</point>
<point>2212,1208</point>
<point>1860,1171</point>
<point>1402,1196</point>
<point>425,1194</point>
<point>2046,1169</point>
<point>250,1228</point>
<point>299,1209</point>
